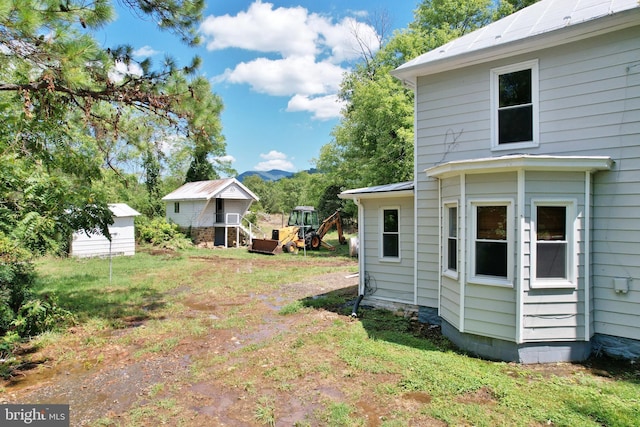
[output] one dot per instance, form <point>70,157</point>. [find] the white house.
<point>123,239</point>
<point>521,230</point>
<point>211,211</point>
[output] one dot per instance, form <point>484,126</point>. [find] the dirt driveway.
<point>210,379</point>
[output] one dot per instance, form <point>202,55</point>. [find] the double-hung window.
<point>390,233</point>
<point>450,261</point>
<point>492,245</point>
<point>176,207</point>
<point>514,95</point>
<point>552,244</point>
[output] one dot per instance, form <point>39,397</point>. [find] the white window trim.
<point>446,205</point>
<point>495,74</point>
<point>382,233</point>
<point>572,253</point>
<point>471,273</point>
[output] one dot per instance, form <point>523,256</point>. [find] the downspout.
<point>361,284</point>
<point>462,260</point>
<point>440,243</point>
<point>587,256</point>
<point>519,283</point>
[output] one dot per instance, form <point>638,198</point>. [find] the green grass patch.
<point>149,307</point>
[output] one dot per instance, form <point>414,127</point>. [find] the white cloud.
<point>322,107</point>
<point>343,39</point>
<point>263,29</point>
<point>122,69</point>
<point>274,160</point>
<point>226,159</point>
<point>289,76</point>
<point>145,52</point>
<point>314,52</point>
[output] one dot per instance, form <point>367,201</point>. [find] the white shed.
<point>123,240</point>
<point>211,212</point>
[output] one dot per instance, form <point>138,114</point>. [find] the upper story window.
<point>493,242</point>
<point>514,96</point>
<point>450,262</point>
<point>176,207</point>
<point>552,247</point>
<point>391,233</point>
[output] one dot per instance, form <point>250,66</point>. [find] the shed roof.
<point>387,190</point>
<point>543,24</point>
<point>205,190</point>
<point>121,210</point>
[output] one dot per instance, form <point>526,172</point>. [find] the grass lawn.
<point>213,337</point>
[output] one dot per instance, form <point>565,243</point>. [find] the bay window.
<point>450,217</point>
<point>492,243</point>
<point>552,248</point>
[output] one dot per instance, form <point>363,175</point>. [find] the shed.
<point>211,212</point>
<point>123,241</point>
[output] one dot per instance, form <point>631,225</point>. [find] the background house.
<point>526,198</point>
<point>123,239</point>
<point>211,211</point>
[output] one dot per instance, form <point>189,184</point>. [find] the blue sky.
<point>276,65</point>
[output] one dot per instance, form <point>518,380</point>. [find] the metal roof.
<point>120,210</point>
<point>514,162</point>
<point>541,19</point>
<point>204,190</point>
<point>398,188</point>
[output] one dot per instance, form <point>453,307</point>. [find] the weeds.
<point>265,412</point>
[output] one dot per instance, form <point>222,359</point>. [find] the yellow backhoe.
<point>303,230</point>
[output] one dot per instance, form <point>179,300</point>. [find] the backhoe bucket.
<point>264,246</point>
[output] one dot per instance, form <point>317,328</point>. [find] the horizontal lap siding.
<point>122,240</point>
<point>490,311</point>
<point>590,105</point>
<point>427,230</point>
<point>554,314</point>
<point>450,301</point>
<point>191,213</point>
<point>451,117</point>
<point>393,281</point>
<point>450,293</point>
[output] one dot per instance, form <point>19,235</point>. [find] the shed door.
<point>219,237</point>
<point>220,211</point>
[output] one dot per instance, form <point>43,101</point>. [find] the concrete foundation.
<point>497,349</point>
<point>206,236</point>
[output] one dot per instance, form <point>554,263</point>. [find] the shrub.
<point>17,276</point>
<point>21,312</point>
<point>160,232</point>
<point>39,315</point>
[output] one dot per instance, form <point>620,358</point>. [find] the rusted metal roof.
<point>204,190</point>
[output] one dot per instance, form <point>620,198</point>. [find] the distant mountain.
<point>272,175</point>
